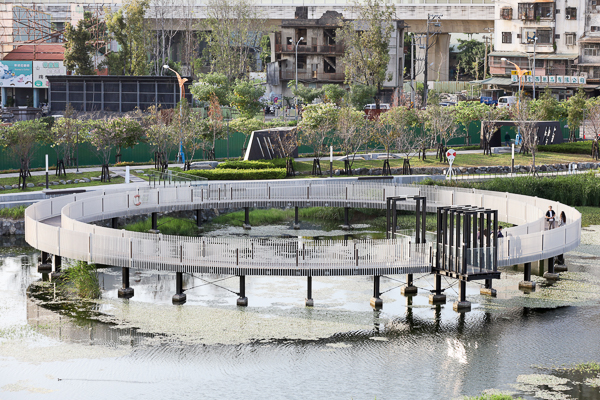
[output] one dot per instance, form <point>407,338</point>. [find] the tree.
<point>470,56</point>
<point>575,110</point>
<point>361,95</point>
<point>489,123</point>
<point>548,108</point>
<point>441,124</point>
<point>20,138</point>
<point>593,116</point>
<point>305,93</point>
<point>527,119</point>
<point>187,128</point>
<point>246,97</point>
<point>352,133</point>
<point>129,29</point>
<point>467,112</point>
<point>159,136</point>
<point>78,50</point>
<point>63,136</point>
<point>405,137</point>
<point>166,27</point>
<point>129,133</point>
<point>332,93</point>
<point>231,30</point>
<point>216,124</point>
<point>212,84</point>
<point>366,40</point>
<point>383,131</point>
<point>318,120</point>
<point>265,50</point>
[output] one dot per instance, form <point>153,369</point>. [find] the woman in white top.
<point>562,220</point>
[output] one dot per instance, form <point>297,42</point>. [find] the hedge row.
<point>573,190</point>
<point>569,148</point>
<point>239,174</point>
<point>246,165</point>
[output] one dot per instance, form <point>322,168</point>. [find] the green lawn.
<point>35,179</point>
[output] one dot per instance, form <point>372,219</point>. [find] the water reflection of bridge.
<point>61,227</point>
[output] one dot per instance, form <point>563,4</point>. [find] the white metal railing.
<point>79,240</point>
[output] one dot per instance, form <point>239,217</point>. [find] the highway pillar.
<point>242,301</point>
<point>179,297</point>
<point>376,301</point>
<point>125,292</point>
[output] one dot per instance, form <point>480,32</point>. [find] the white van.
<point>507,101</point>
<point>373,106</point>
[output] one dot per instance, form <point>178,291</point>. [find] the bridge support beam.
<point>199,217</point>
<point>114,223</point>
<point>154,223</point>
<point>296,222</point>
<point>346,225</point>
<point>309,302</point>
<point>45,263</point>
<point>409,289</point>
<point>551,275</point>
<point>179,297</point>
<point>56,267</point>
<point>246,224</point>
<point>560,266</point>
<point>242,301</point>
<point>462,304</point>
<point>376,301</point>
<point>437,297</point>
<point>487,290</point>
<point>526,283</point>
<point>125,292</point>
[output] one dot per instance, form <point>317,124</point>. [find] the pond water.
<point>276,348</point>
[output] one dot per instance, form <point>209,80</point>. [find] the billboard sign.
<point>42,69</point>
<point>15,74</point>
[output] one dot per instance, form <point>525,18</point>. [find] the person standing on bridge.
<point>550,214</point>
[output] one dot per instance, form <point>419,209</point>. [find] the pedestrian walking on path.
<point>550,214</point>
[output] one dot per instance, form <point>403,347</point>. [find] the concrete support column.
<point>4,94</point>
<point>115,223</point>
<point>346,218</point>
<point>179,297</point>
<point>437,297</point>
<point>438,58</point>
<point>409,289</point>
<point>551,275</point>
<point>376,302</point>
<point>296,221</point>
<point>526,283</point>
<point>45,264</point>
<point>246,224</point>
<point>462,304</point>
<point>125,292</point>
<point>242,300</point>
<point>309,302</point>
<point>199,217</point>
<point>154,223</point>
<point>487,290</point>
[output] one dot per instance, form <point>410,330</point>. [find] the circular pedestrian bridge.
<point>62,226</point>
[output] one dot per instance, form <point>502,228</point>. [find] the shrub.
<point>239,174</point>
<point>246,165</point>
<point>568,148</point>
<point>84,280</point>
<point>281,162</point>
<point>14,212</point>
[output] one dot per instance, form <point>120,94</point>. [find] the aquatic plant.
<point>81,279</point>
<point>13,212</point>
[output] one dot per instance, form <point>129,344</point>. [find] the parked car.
<point>373,106</point>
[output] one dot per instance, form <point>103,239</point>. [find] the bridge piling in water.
<point>154,223</point>
<point>487,290</point>
<point>376,301</point>
<point>437,297</point>
<point>526,283</point>
<point>246,224</point>
<point>462,304</point>
<point>296,222</point>
<point>309,302</point>
<point>346,225</point>
<point>56,267</point>
<point>242,300</point>
<point>125,292</point>
<point>179,297</point>
<point>45,264</point>
<point>551,275</point>
<point>198,217</point>
<point>409,289</point>
<point>114,223</point>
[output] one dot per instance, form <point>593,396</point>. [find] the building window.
<point>539,63</point>
<point>506,13</point>
<point>544,36</point>
<point>595,28</point>
<point>570,39</point>
<point>591,49</point>
<point>506,37</point>
<point>534,11</point>
<point>571,13</point>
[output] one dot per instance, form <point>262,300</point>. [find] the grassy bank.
<point>167,225</point>
<point>14,212</point>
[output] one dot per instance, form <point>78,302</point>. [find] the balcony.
<point>312,49</point>
<point>312,76</point>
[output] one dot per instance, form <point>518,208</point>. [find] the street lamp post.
<point>182,82</point>
<point>296,94</point>
<point>533,68</point>
<point>520,73</point>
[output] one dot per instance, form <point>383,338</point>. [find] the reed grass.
<point>13,212</point>
<point>166,225</point>
<point>81,279</point>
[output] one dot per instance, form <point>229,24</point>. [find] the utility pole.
<point>412,70</point>
<point>485,58</point>
<point>533,68</point>
<point>432,19</point>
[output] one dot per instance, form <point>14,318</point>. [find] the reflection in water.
<point>146,347</point>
